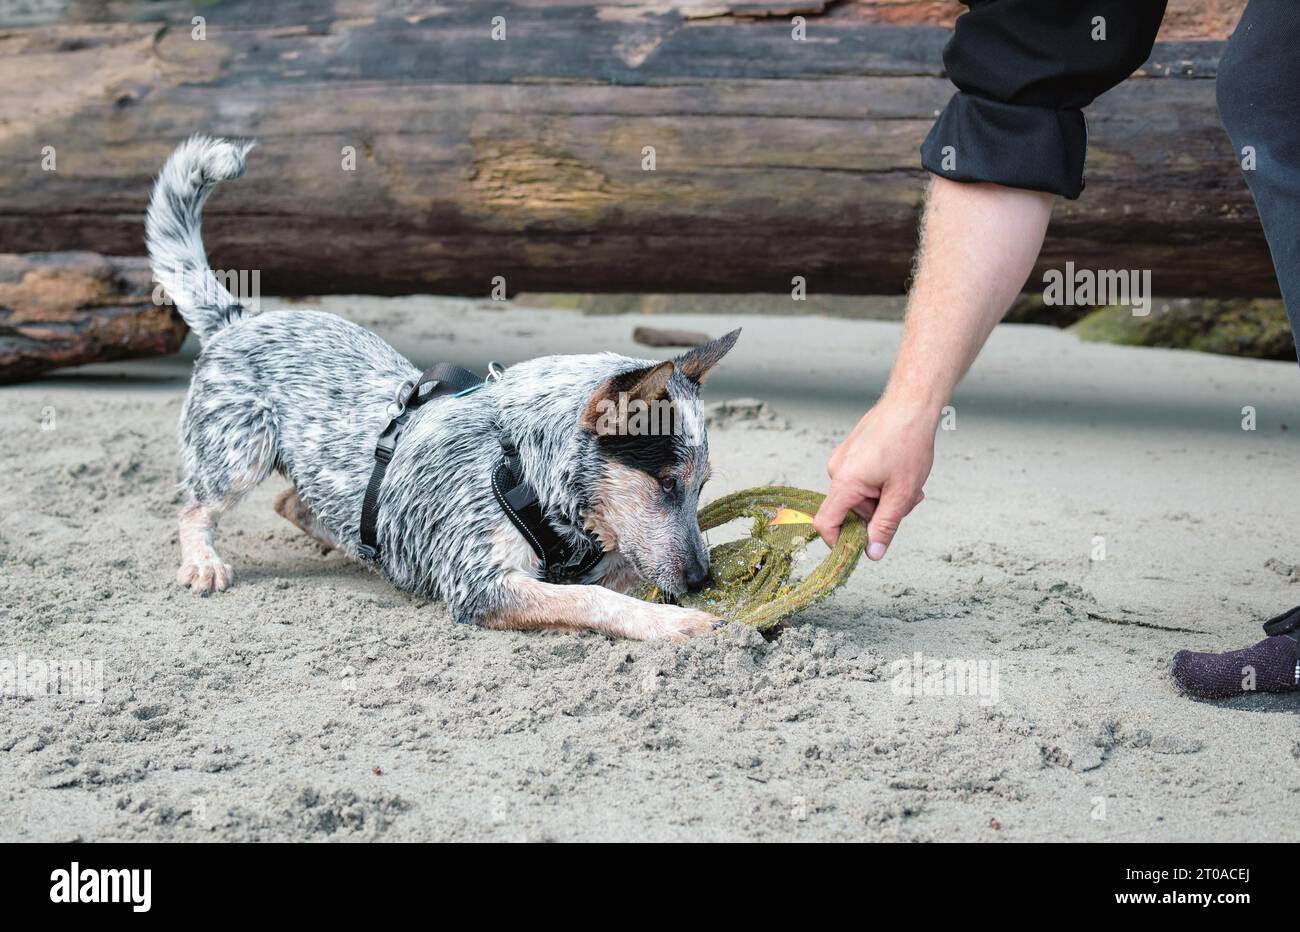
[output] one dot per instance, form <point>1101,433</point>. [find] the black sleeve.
<point>1025,69</point>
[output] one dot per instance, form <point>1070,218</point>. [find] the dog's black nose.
<point>697,571</point>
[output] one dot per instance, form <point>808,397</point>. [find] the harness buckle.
<point>387,443</point>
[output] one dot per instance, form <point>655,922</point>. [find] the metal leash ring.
<point>397,407</point>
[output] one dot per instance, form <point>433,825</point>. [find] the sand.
<point>314,702</point>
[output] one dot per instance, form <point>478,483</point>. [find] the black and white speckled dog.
<point>306,394</point>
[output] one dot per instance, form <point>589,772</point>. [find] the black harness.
<point>561,559</point>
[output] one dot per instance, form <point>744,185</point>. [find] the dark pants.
<point>1259,103</point>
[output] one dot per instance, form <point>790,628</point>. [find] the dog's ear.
<point>607,409</point>
<point>696,364</point>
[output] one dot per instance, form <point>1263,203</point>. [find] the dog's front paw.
<point>679,623</point>
<point>206,574</point>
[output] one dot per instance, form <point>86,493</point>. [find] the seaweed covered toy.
<point>750,580</point>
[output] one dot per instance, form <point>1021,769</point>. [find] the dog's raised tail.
<point>176,252</point>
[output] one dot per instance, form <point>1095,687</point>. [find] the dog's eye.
<point>668,484</point>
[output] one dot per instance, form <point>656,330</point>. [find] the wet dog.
<point>306,394</point>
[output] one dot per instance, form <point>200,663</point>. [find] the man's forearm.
<point>978,246</point>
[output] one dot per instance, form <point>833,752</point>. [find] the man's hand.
<point>878,472</point>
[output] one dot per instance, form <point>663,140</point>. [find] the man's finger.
<point>895,504</point>
<point>831,514</point>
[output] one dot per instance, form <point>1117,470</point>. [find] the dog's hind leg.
<point>228,444</point>
<point>529,604</point>
<point>290,507</point>
<point>201,568</point>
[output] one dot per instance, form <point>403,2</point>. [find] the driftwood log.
<point>523,163</point>
<point>65,309</point>
<point>662,337</point>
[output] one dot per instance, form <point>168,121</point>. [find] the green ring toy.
<point>751,576</point>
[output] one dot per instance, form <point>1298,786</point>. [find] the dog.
<point>305,394</point>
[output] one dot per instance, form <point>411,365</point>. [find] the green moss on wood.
<point>1256,329</point>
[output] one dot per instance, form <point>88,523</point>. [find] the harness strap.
<point>441,379</point>
<point>436,381</point>
<point>560,560</point>
<point>369,549</point>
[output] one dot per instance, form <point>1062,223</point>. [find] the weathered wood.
<point>66,309</point>
<point>524,158</point>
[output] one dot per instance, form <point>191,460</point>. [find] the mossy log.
<point>403,149</point>
<point>1256,329</point>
